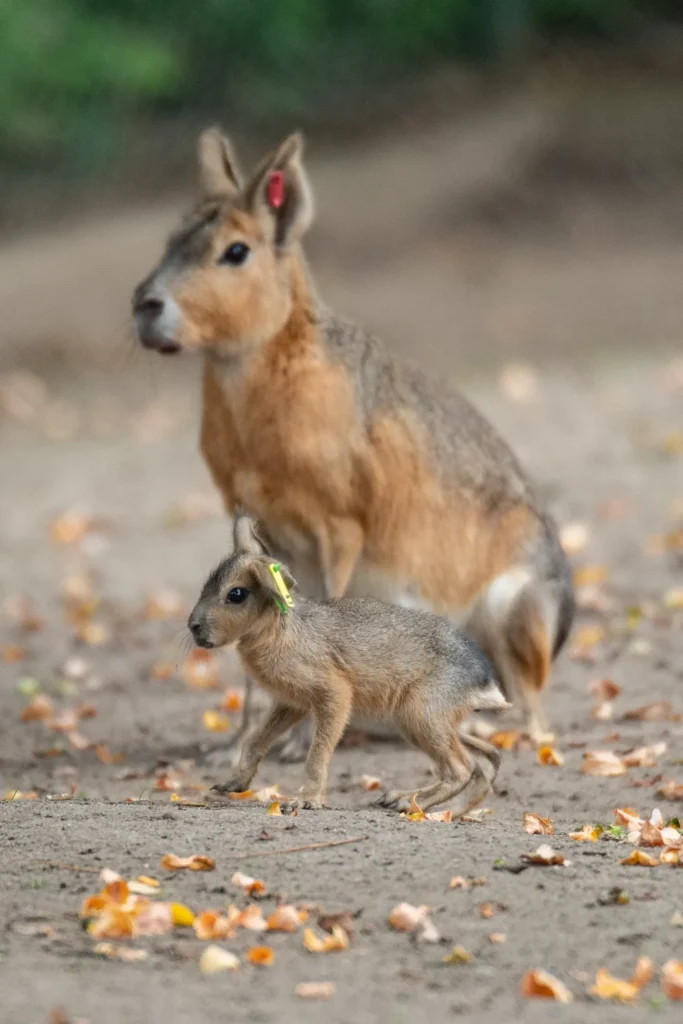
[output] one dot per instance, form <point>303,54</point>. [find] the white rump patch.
<point>504,590</point>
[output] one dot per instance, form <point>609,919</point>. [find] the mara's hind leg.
<point>511,624</point>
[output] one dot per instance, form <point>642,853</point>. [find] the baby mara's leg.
<point>280,718</point>
<point>330,716</point>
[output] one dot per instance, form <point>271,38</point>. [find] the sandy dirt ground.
<point>108,585</point>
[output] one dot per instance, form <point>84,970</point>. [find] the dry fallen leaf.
<point>640,859</point>
<point>672,979</point>
<point>487,910</point>
<point>232,701</point>
<point>211,924</point>
<point>315,989</point>
<point>585,641</point>
<point>162,605</point>
<point>333,943</point>
<point>214,721</point>
<point>496,938</point>
<point>458,955</point>
<point>588,834</point>
<point>252,886</point>
<point>274,809</point>
<point>343,918</point>
<point>37,710</point>
<point>369,782</point>
<point>644,757</point>
<point>545,855</point>
<point>549,756</point>
<point>505,739</point>
<point>535,825</point>
<point>674,598</point>
<point>658,711</point>
<point>196,862</point>
<point>214,959</point>
<point>18,794</point>
<point>604,689</point>
<point>602,762</point>
<point>458,882</point>
<point>125,953</point>
<point>574,537</point>
<point>252,919</point>
<point>285,918</point>
<point>200,669</point>
<point>671,790</point>
<point>538,984</point>
<point>603,712</point>
<point>263,956</point>
<point>405,917</point>
<point>608,987</point>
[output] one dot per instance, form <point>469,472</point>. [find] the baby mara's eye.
<point>235,254</point>
<point>237,595</point>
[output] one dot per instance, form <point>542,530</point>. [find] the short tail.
<point>490,697</point>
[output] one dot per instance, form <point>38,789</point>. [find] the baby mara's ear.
<point>246,539</point>
<point>218,171</point>
<point>266,582</point>
<point>279,191</point>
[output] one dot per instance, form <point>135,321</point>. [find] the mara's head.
<point>225,281</point>
<point>241,593</point>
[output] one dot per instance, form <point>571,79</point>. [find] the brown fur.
<point>352,654</point>
<point>367,476</point>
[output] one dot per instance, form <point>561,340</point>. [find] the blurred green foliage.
<point>75,73</point>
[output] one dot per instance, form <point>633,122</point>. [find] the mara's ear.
<point>280,190</point>
<point>245,539</point>
<point>218,173</point>
<point>266,582</point>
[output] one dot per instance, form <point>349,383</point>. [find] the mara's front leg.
<point>330,718</point>
<point>280,718</point>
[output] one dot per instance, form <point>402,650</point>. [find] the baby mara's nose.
<point>197,630</point>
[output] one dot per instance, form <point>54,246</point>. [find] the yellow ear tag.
<point>287,601</point>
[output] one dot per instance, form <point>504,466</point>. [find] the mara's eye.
<point>237,595</point>
<point>235,254</point>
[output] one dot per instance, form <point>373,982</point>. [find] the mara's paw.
<point>312,803</point>
<point>232,786</point>
<point>394,802</point>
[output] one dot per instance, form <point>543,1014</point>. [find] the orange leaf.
<point>588,834</point>
<point>549,756</point>
<point>232,701</point>
<point>252,919</point>
<point>196,862</point>
<point>214,721</point>
<point>334,943</point>
<point>505,739</point>
<point>641,859</point>
<point>671,790</point>
<point>458,955</point>
<point>672,979</point>
<point>274,809</point>
<point>252,886</point>
<point>369,782</point>
<point>200,669</point>
<point>539,984</point>
<point>284,919</point>
<point>261,955</point>
<point>608,987</point>
<point>211,924</point>
<point>535,825</point>
<point>406,918</point>
<point>162,670</point>
<point>246,794</point>
<point>496,938</point>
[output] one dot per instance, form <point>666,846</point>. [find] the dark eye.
<point>235,254</point>
<point>237,595</point>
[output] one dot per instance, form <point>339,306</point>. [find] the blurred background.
<point>500,195</point>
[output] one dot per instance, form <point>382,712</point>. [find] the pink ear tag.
<point>276,190</point>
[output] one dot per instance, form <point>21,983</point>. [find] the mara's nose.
<point>197,630</point>
<point>148,305</point>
